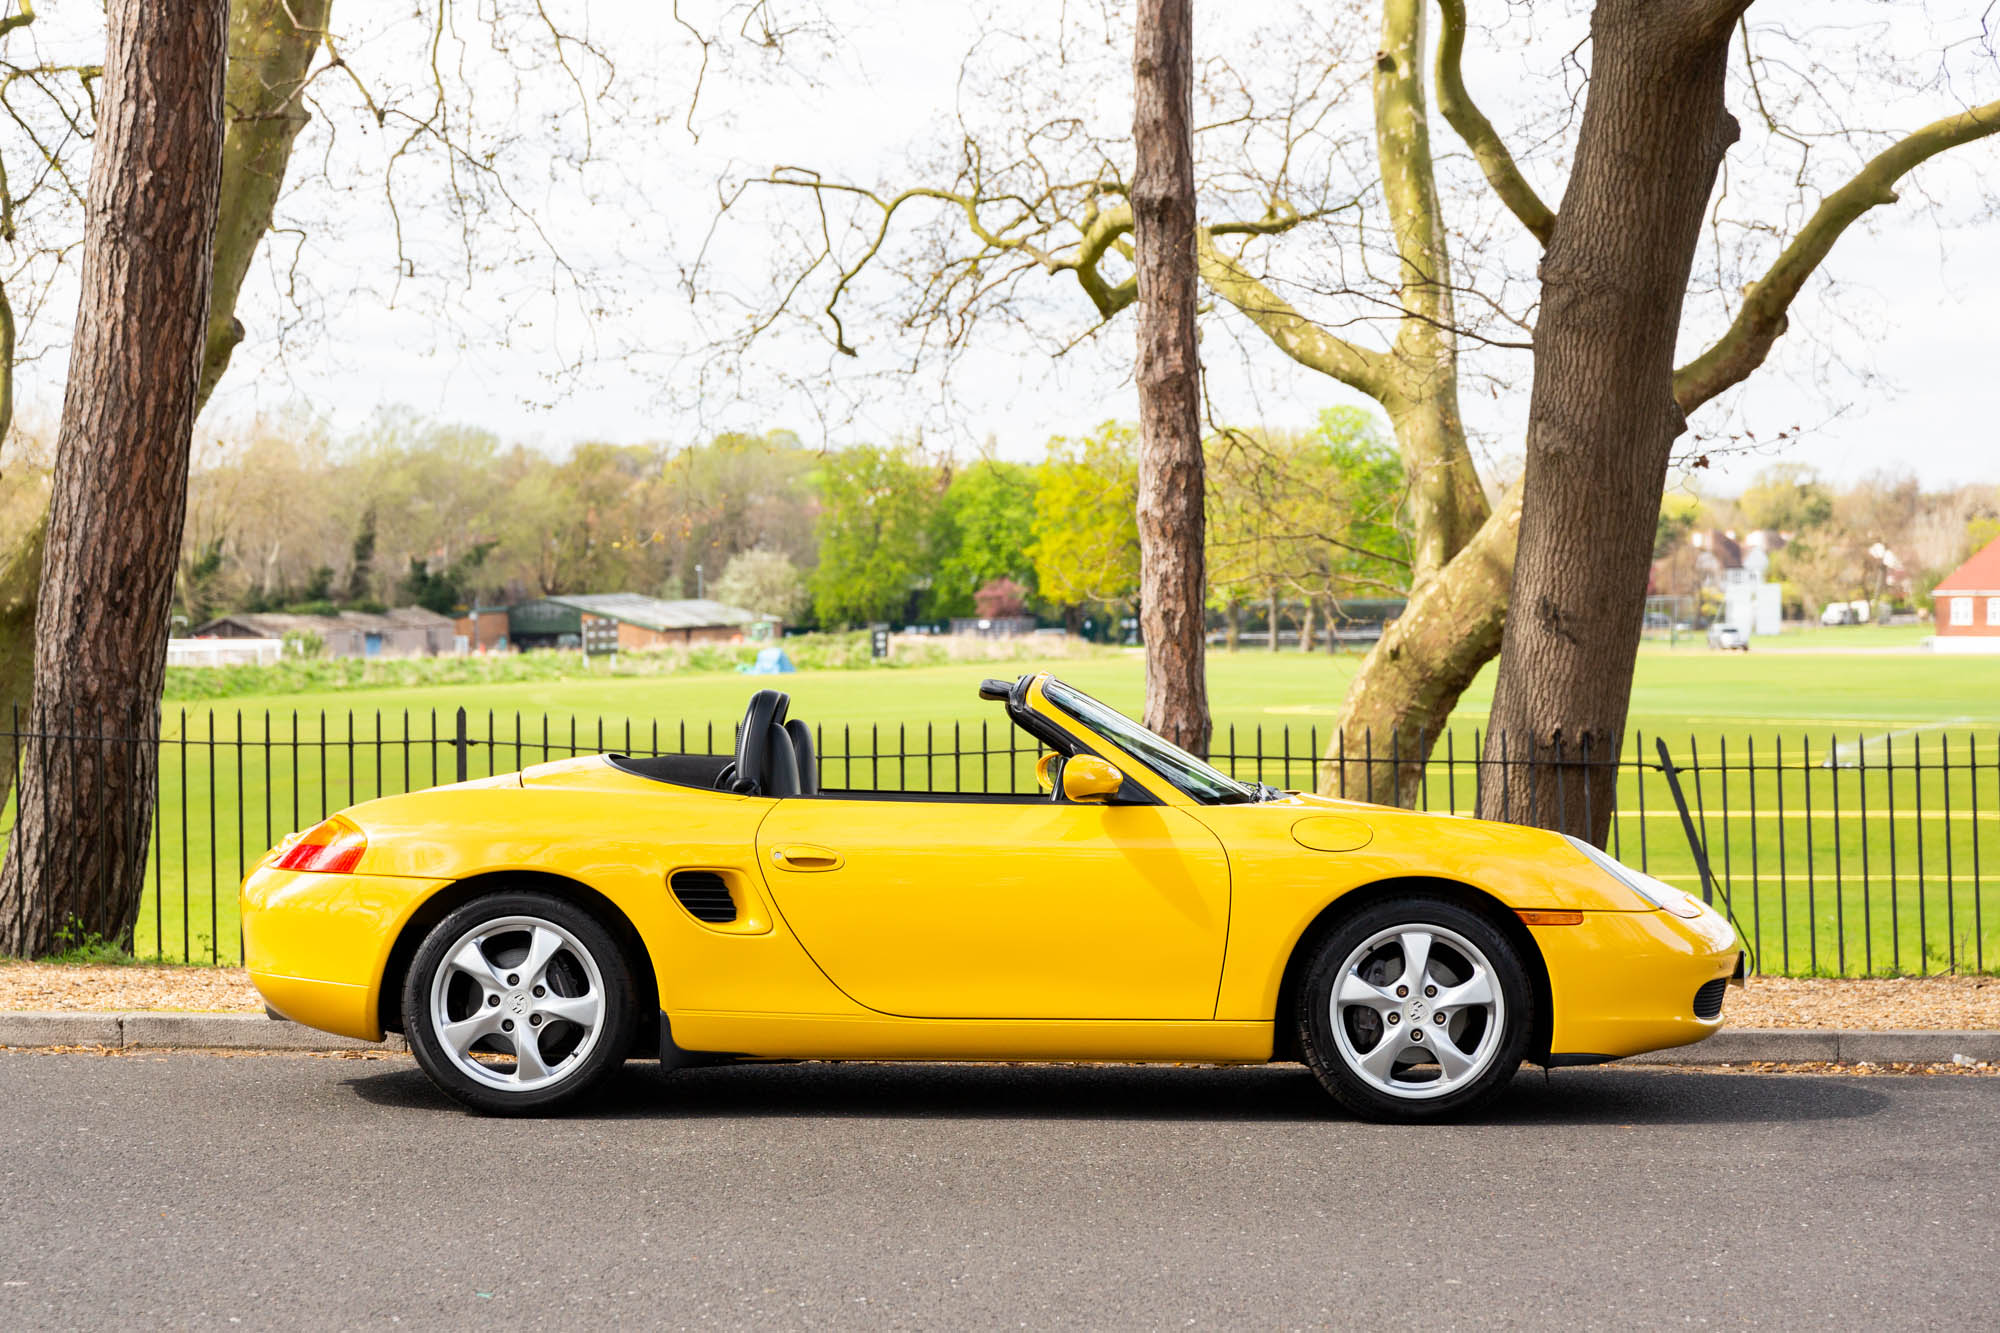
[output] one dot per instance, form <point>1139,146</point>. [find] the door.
<point>958,909</point>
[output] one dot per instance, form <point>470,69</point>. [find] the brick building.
<point>1968,605</point>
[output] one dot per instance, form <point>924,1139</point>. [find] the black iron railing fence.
<point>1864,854</point>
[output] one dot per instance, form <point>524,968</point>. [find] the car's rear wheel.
<point>1415,1008</point>
<point>519,1002</point>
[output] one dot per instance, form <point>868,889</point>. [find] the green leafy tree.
<point>1979,534</point>
<point>198,589</point>
<point>361,565</point>
<point>1305,517</point>
<point>1787,497</point>
<point>448,589</point>
<point>985,528</point>
<point>877,511</point>
<point>1085,545</point>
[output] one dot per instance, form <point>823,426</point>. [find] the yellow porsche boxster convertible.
<point>530,932</point>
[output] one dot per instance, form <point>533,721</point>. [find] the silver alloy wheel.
<point>519,985</point>
<point>1426,1027</point>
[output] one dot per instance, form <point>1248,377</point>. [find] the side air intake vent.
<point>1707,1000</point>
<point>704,895</point>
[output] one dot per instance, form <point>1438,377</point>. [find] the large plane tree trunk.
<point>1602,415</point>
<point>271,49</point>
<point>76,861</point>
<point>1173,596</point>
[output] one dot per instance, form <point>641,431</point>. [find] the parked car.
<point>1729,638</point>
<point>530,932</point>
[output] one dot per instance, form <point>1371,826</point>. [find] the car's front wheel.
<point>518,1002</point>
<point>1415,1008</point>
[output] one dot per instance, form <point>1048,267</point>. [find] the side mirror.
<point>1045,770</point>
<point>1087,778</point>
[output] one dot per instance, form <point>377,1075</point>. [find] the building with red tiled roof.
<point>1968,604</point>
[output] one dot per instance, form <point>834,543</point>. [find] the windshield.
<point>1170,761</point>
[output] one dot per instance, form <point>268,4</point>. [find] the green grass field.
<point>1916,874</point>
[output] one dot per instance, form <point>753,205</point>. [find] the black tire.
<point>569,1058</point>
<point>1394,1086</point>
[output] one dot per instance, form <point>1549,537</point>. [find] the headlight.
<point>1661,895</point>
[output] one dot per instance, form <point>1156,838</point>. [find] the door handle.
<point>804,856</point>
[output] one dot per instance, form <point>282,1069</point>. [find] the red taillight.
<point>333,848</point>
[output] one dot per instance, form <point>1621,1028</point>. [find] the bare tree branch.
<point>1305,342</point>
<point>1487,149</point>
<point>1762,320</point>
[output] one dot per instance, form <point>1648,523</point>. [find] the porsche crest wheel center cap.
<point>517,1003</point>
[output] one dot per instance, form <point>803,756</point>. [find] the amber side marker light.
<point>331,848</point>
<point>1551,918</point>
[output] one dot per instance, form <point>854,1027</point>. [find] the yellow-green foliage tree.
<point>1086,529</point>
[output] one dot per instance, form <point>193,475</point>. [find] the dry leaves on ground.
<point>1875,1004</point>
<point>99,989</point>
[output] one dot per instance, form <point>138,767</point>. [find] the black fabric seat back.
<point>808,759</point>
<point>765,715</point>
<point>781,764</point>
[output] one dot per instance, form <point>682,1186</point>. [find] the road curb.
<point>1833,1046</point>
<point>168,1028</point>
<point>160,1029</point>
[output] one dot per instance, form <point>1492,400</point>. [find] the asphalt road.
<point>295,1191</point>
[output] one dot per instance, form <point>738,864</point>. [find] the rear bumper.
<point>316,945</point>
<point>1623,983</point>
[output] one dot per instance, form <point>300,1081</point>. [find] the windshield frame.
<point>1193,778</point>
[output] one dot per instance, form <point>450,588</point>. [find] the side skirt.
<point>822,1037</point>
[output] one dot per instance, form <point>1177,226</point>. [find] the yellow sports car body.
<point>530,932</point>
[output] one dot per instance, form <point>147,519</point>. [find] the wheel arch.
<point>456,895</point>
<point>1285,1032</point>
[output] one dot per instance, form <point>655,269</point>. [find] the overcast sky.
<point>510,344</point>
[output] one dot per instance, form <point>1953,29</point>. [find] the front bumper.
<point>1623,983</point>
<point>316,945</point>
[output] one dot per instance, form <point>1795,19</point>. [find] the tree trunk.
<point>1602,416</point>
<point>1306,626</point>
<point>1271,620</point>
<point>1172,580</point>
<point>271,46</point>
<point>76,861</point>
<point>1232,614</point>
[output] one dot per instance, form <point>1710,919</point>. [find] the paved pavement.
<point>159,1188</point>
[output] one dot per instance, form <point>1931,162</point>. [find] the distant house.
<point>408,631</point>
<point>631,621</point>
<point>1721,558</point>
<point>1968,605</point>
